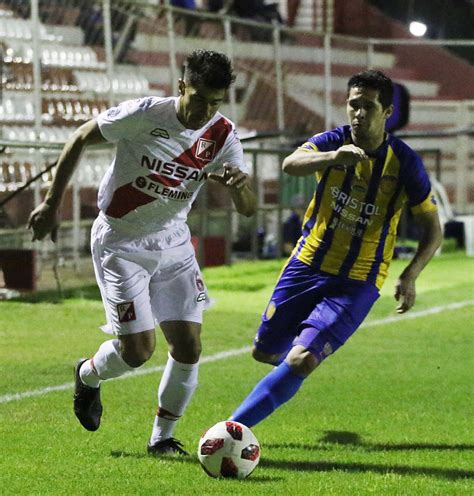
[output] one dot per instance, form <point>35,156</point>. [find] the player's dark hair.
<point>375,80</point>
<point>208,68</point>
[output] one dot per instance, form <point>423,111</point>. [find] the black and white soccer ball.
<point>229,449</point>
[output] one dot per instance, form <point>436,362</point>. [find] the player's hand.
<point>350,155</point>
<point>231,177</point>
<point>405,293</point>
<point>44,220</point>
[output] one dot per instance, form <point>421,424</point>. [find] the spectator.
<point>255,10</point>
<point>190,22</point>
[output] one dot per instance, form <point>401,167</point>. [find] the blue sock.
<point>276,388</point>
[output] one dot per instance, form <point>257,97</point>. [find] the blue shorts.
<point>314,309</point>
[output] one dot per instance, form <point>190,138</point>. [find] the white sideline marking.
<point>238,351</point>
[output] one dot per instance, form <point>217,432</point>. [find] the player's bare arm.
<point>45,219</point>
<point>243,197</point>
<point>304,162</point>
<point>405,291</point>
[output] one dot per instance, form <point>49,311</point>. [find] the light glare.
<point>417,28</point>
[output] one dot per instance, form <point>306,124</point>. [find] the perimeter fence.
<point>65,61</point>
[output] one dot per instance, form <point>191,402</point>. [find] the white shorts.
<point>147,280</point>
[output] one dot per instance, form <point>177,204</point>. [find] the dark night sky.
<point>450,19</point>
<point>445,18</point>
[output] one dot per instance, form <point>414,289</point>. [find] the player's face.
<point>198,104</point>
<point>366,115</point>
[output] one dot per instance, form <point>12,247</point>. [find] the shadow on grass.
<point>185,459</point>
<point>322,466</point>
<point>353,439</point>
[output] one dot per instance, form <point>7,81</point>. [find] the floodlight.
<point>417,28</point>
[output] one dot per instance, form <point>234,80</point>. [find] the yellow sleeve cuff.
<point>427,205</point>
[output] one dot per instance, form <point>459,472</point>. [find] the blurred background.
<point>65,61</point>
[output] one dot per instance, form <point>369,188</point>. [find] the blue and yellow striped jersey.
<point>350,226</point>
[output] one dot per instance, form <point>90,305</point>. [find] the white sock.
<point>176,389</point>
<point>107,363</point>
<point>88,374</point>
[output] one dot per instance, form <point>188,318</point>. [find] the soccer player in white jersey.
<point>143,258</point>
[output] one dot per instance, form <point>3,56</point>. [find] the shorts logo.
<point>126,312</point>
<point>201,297</point>
<point>327,350</point>
<point>206,149</point>
<point>270,311</point>
<point>200,286</point>
<point>199,281</point>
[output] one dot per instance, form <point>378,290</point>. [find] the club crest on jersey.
<point>126,312</point>
<point>388,184</point>
<point>206,149</point>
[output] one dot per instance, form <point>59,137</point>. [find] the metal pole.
<point>172,48</point>
<point>318,17</point>
<point>228,234</point>
<point>279,237</point>
<point>203,225</point>
<point>36,41</point>
<point>370,54</point>
<point>255,218</point>
<point>462,159</point>
<point>76,222</point>
<point>122,41</point>
<point>327,82</point>
<point>330,16</point>
<point>230,54</point>
<point>109,52</point>
<point>279,78</point>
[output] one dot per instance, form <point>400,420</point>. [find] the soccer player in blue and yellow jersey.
<point>339,264</point>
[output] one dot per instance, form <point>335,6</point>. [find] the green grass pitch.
<point>390,413</point>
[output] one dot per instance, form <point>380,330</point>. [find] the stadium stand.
<point>76,85</point>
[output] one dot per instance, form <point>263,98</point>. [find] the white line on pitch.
<point>230,353</point>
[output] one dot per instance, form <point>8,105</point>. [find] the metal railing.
<point>65,61</point>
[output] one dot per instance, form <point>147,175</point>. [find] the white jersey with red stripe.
<point>160,166</point>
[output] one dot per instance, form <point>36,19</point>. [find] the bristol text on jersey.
<point>341,199</point>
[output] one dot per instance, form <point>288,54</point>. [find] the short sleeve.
<point>123,121</point>
<point>324,142</point>
<point>233,153</point>
<point>418,188</point>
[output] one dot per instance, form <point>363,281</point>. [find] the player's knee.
<point>262,357</point>
<point>186,351</point>
<point>301,361</point>
<point>136,349</point>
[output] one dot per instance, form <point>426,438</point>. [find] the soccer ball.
<point>229,449</point>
